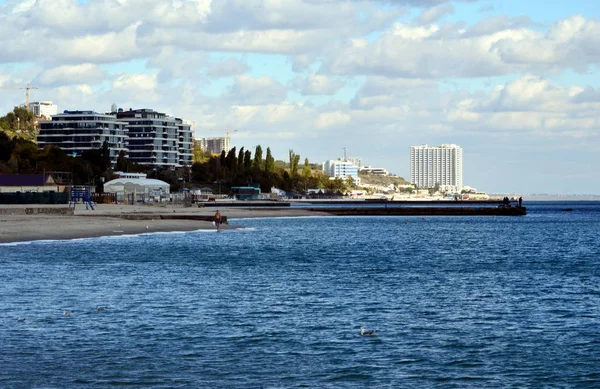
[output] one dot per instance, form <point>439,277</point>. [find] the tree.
<point>240,160</point>
<point>231,160</point>
<point>306,170</point>
<point>258,162</point>
<point>294,161</point>
<point>122,162</point>
<point>269,162</point>
<point>247,160</point>
<point>6,147</point>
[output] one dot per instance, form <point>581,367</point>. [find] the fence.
<point>34,198</point>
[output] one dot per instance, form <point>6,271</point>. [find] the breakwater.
<point>424,211</point>
<point>243,204</point>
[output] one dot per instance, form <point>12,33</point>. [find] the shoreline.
<point>117,220</point>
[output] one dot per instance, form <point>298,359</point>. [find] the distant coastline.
<point>553,197</point>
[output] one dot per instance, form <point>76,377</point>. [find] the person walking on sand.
<point>218,219</point>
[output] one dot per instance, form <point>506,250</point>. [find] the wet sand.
<point>107,220</point>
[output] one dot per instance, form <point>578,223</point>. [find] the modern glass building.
<point>185,142</point>
<point>155,139</point>
<point>148,137</point>
<point>78,131</point>
<point>437,165</point>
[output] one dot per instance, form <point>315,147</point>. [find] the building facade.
<point>45,109</point>
<point>185,142</point>
<point>147,137</point>
<point>341,169</point>
<point>214,145</point>
<point>77,131</point>
<point>155,138</point>
<point>432,166</point>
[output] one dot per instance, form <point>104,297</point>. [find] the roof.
<point>26,180</point>
<point>137,181</point>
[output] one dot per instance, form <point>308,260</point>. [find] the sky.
<point>515,83</point>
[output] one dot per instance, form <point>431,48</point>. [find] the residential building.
<point>376,171</point>
<point>185,142</point>
<point>341,169</point>
<point>214,145</point>
<point>154,138</point>
<point>45,109</point>
<point>77,131</point>
<point>437,165</point>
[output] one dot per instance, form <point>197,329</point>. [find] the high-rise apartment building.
<point>77,131</point>
<point>147,137</point>
<point>214,145</point>
<point>185,143</point>
<point>437,165</point>
<point>155,138</point>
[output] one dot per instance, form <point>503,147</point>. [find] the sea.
<point>455,302</point>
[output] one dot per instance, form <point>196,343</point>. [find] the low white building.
<point>136,187</point>
<point>376,171</point>
<point>341,169</point>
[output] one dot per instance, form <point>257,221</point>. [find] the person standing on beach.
<point>218,219</point>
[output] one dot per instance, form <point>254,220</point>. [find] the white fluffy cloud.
<point>371,75</point>
<point>248,90</point>
<point>86,73</point>
<point>317,84</point>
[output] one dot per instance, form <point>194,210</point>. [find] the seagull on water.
<point>365,332</point>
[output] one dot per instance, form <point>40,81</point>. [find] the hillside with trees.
<point>234,168</point>
<point>379,180</point>
<point>19,123</point>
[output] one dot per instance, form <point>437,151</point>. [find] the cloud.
<point>435,13</point>
<point>226,68</point>
<point>502,47</point>
<point>532,104</point>
<point>248,90</point>
<point>316,84</point>
<point>573,42</point>
<point>71,74</point>
<point>135,90</point>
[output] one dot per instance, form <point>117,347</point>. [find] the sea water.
<point>463,302</point>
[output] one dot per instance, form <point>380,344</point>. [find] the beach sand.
<point>107,220</point>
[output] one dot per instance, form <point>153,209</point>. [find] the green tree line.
<point>232,168</point>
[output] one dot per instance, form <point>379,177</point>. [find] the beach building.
<point>341,169</point>
<point>77,131</point>
<point>136,187</point>
<point>437,165</point>
<point>215,145</point>
<point>12,183</point>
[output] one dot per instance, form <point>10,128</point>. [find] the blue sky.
<point>515,83</point>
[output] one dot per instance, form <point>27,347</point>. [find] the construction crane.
<point>26,87</point>
<point>227,133</point>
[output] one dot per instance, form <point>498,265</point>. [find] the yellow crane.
<point>27,88</point>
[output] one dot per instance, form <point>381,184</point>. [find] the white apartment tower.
<point>214,145</point>
<point>437,165</point>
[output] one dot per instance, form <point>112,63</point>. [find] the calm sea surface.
<point>457,302</point>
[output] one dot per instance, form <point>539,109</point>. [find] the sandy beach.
<point>110,219</point>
